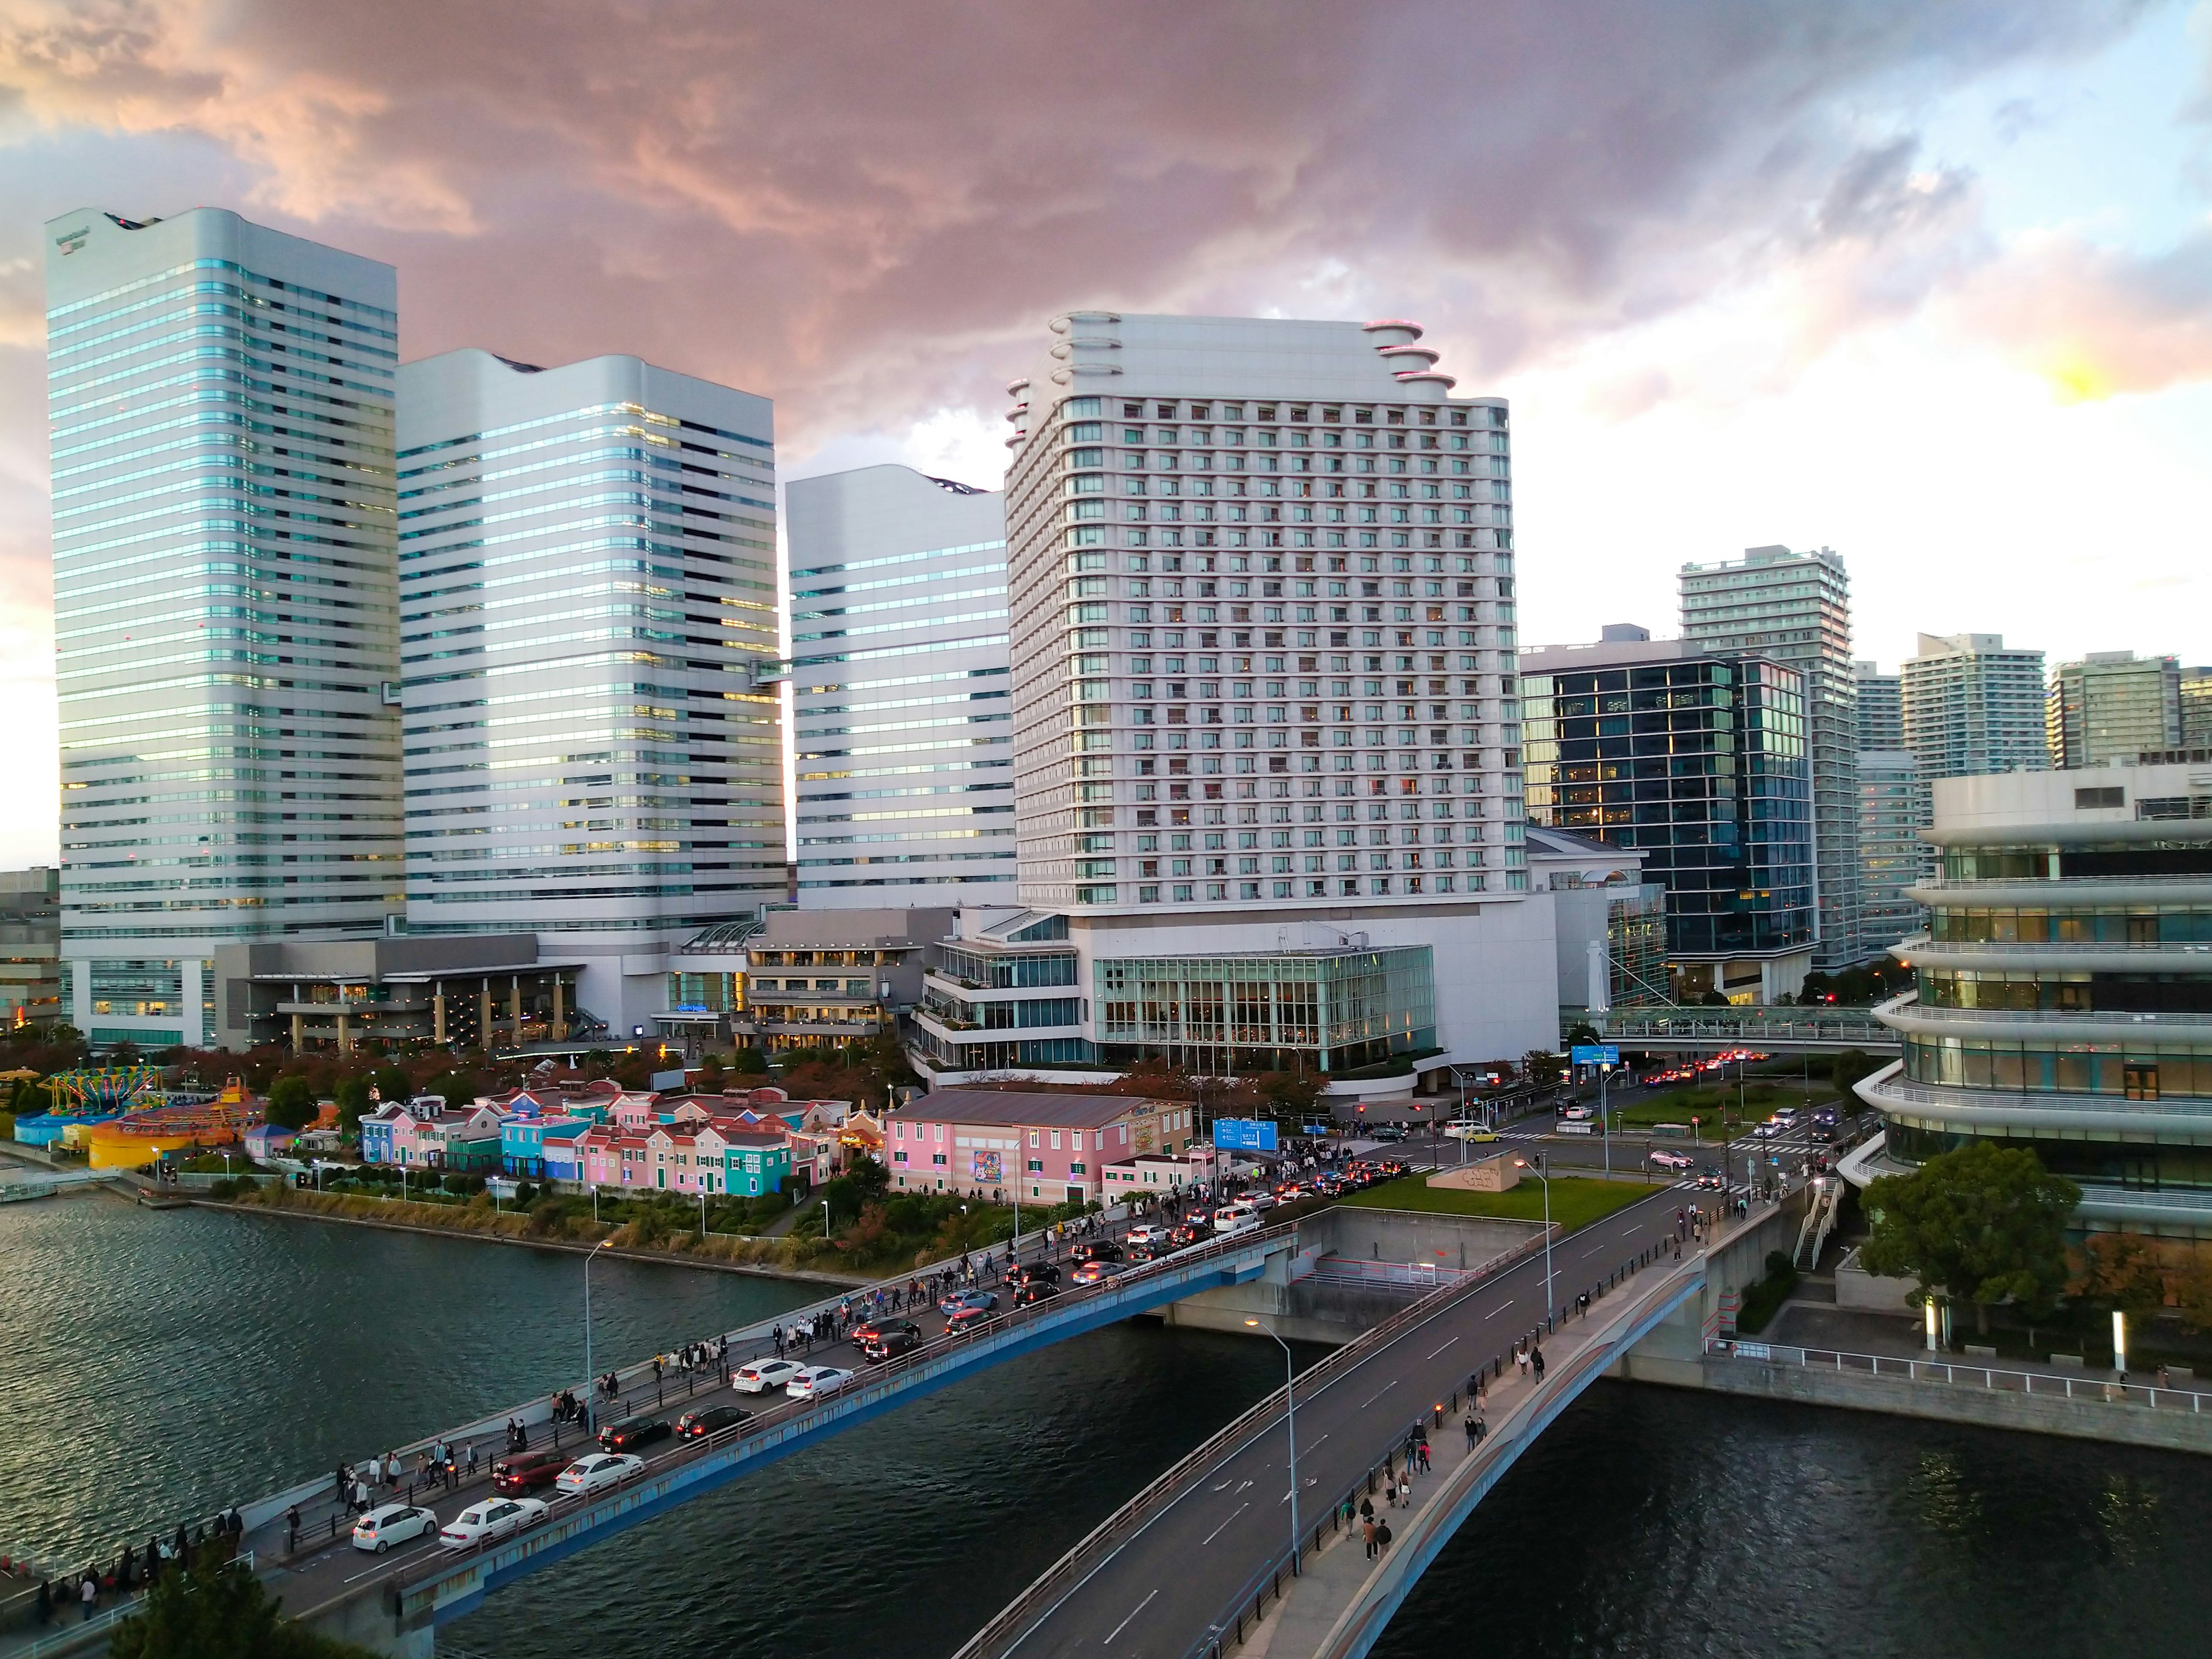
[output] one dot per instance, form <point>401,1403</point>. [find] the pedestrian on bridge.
<point>1367,1531</point>
<point>291,1531</point>
<point>89,1594</point>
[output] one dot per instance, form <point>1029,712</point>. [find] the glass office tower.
<point>221,400</point>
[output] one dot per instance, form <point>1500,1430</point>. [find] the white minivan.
<point>1235,1218</point>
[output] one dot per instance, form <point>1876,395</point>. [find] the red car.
<point>513,1476</point>
<point>967,1319</point>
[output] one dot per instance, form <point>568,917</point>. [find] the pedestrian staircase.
<point>1819,1221</point>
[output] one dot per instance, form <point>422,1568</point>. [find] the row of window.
<point>2069,1068</point>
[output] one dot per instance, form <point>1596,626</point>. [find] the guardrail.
<point>1383,1275</point>
<point>2040,1384</point>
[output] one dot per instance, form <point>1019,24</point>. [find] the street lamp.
<point>1533,1166</point>
<point>592,1386</point>
<point>1290,1418</point>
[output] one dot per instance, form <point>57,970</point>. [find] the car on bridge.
<point>488,1519</point>
<point>393,1523</point>
<point>893,1338</point>
<point>761,1375</point>
<point>1036,1291</point>
<point>961,1301</point>
<point>815,1381</point>
<point>1033,1272</point>
<point>965,1320</point>
<point>634,1431</point>
<point>696,1426</point>
<point>1147,1233</point>
<point>597,1472</point>
<point>1096,1271</point>
<point>1183,1238</point>
<point>1103,1249</point>
<point>514,1476</point>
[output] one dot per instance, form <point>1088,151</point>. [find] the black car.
<point>1184,1236</point>
<point>893,1337</point>
<point>632,1432</point>
<point>1104,1250</point>
<point>695,1425</point>
<point>1037,1290</point>
<point>1032,1273</point>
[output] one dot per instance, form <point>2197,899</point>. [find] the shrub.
<point>222,1190</point>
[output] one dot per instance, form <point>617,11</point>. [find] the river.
<point>154,1365</point>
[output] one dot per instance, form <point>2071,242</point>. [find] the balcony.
<point>2115,956</point>
<point>2075,1025</point>
<point>2075,1116</point>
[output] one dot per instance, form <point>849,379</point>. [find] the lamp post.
<point>592,1386</point>
<point>1533,1166</point>
<point>1291,1420</point>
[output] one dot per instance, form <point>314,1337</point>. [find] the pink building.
<point>981,1142</point>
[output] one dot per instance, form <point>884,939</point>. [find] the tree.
<point>748,1061</point>
<point>454,1089</point>
<point>352,1097</point>
<point>123,1053</point>
<point>217,1610</point>
<point>1292,1094</point>
<point>1850,1067</point>
<point>1583,1032</point>
<point>392,1084</point>
<point>1540,1068</point>
<point>1986,1223</point>
<point>291,1102</point>
<point>2124,1272</point>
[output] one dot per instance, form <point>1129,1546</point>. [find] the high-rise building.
<point>1795,608</point>
<point>1882,707</point>
<point>2064,991</point>
<point>901,690</point>
<point>2195,697</point>
<point>30,946</point>
<point>587,569</point>
<point>1893,858</point>
<point>1972,706</point>
<point>225,600</point>
<point>1697,760</point>
<point>1267,734</point>
<point>2112,707</point>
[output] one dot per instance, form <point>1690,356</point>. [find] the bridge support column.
<point>368,1621</point>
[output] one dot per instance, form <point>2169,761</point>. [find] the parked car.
<point>393,1523</point>
<point>634,1431</point>
<point>967,1301</point>
<point>815,1381</point>
<point>1101,1250</point>
<point>597,1472</point>
<point>696,1425</point>
<point>763,1375</point>
<point>1036,1291</point>
<point>893,1337</point>
<point>491,1518</point>
<point>514,1476</point>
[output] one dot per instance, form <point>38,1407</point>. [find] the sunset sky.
<point>1928,284</point>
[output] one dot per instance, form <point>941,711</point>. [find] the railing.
<point>1384,1275</point>
<point>1939,947</point>
<point>72,1629</point>
<point>2044,1384</point>
<point>1961,1097</point>
<point>1759,1021</point>
<point>2116,1017</point>
<point>2054,885</point>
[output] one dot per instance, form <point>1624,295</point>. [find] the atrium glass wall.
<point>1324,1010</point>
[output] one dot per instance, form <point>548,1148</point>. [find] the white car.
<point>1145,1232</point>
<point>393,1524</point>
<point>1577,1114</point>
<point>598,1472</point>
<point>491,1518</point>
<point>765,1374</point>
<point>814,1380</point>
<point>1667,1160</point>
<point>1262,1200</point>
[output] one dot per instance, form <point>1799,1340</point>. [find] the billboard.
<point>986,1169</point>
<point>1244,1135</point>
<point>1595,1054</point>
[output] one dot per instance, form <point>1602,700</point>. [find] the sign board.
<point>1595,1054</point>
<point>986,1170</point>
<point>1244,1135</point>
<point>661,1080</point>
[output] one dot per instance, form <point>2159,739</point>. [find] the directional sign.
<point>1244,1135</point>
<point>1595,1054</point>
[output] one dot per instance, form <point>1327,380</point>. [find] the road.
<point>1158,1591</point>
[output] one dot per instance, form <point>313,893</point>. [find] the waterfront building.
<point>1053,1148</point>
<point>587,576</point>
<point>30,946</point>
<point>2112,707</point>
<point>221,404</point>
<point>1262,634</point>
<point>796,980</point>
<point>492,991</point>
<point>1882,706</point>
<point>1893,858</point>
<point>2063,994</point>
<point>901,690</point>
<point>1697,759</point>
<point>1971,705</point>
<point>1795,608</point>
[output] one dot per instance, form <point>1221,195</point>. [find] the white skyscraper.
<point>1969,706</point>
<point>1266,725</point>
<point>902,696</point>
<point>1263,627</point>
<point>588,583</point>
<point>221,400</point>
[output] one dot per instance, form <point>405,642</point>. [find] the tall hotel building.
<point>588,574</point>
<point>1796,608</point>
<point>1266,736</point>
<point>901,690</point>
<point>221,400</point>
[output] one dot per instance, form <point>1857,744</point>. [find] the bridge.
<point>1777,1029</point>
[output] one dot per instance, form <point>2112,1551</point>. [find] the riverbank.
<point>766,1258</point>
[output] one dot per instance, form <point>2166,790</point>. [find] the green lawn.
<point>1715,1107</point>
<point>1575,1202</point>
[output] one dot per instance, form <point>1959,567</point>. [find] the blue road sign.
<point>1244,1135</point>
<point>1595,1054</point>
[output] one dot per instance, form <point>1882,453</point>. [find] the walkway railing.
<point>1384,1275</point>
<point>2043,1384</point>
<point>1760,1021</point>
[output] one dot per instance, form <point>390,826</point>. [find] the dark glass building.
<point>1698,759</point>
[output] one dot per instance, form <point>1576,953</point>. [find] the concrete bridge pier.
<point>370,1622</point>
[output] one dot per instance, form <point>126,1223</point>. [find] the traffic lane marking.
<point>1124,1625</point>
<point>1233,1514</point>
